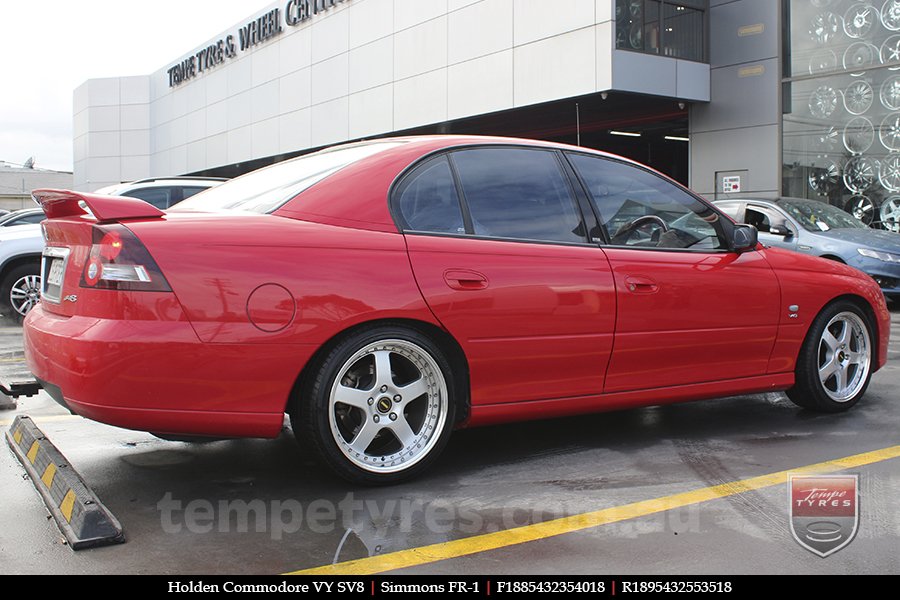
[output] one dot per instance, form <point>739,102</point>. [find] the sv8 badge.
<point>71,298</point>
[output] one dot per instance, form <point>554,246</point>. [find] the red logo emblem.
<point>824,511</point>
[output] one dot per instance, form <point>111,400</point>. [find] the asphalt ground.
<point>697,488</point>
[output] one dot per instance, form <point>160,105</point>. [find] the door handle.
<point>465,280</point>
<point>641,285</point>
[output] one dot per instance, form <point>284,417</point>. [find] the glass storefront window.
<point>842,106</point>
<point>665,27</point>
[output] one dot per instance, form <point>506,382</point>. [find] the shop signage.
<point>254,33</point>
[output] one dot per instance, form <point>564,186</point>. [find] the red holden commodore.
<point>385,293</point>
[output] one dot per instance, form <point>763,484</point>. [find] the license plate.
<point>55,276</point>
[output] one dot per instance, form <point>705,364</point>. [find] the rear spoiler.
<point>65,203</point>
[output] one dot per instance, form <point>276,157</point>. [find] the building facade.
<point>17,181</point>
<point>716,93</point>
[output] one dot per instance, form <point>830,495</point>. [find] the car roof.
<point>340,200</point>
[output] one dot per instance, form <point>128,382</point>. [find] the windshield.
<point>266,189</point>
<point>818,216</point>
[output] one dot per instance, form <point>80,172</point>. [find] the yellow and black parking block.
<point>81,516</point>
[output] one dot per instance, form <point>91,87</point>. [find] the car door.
<point>774,227</point>
<point>689,310</point>
<point>498,247</point>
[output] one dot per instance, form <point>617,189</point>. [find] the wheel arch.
<point>869,313</point>
<point>445,341</point>
<point>834,257</point>
<point>15,261</point>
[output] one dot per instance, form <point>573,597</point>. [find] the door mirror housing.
<point>781,230</point>
<point>744,238</point>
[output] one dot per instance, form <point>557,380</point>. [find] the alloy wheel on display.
<point>890,51</point>
<point>889,173</point>
<point>862,208</point>
<point>859,20</point>
<point>859,134</point>
<point>889,94</point>
<point>844,356</point>
<point>860,55</point>
<point>858,97</point>
<point>824,178</point>
<point>822,62</point>
<point>388,406</point>
<point>890,213</point>
<point>824,27</point>
<point>889,132</point>
<point>859,174</point>
<point>890,15</point>
<point>25,294</point>
<point>823,101</point>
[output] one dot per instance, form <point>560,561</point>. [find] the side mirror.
<point>744,237</point>
<point>781,230</point>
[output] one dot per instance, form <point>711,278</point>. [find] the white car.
<point>20,266</point>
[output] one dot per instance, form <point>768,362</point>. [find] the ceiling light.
<point>677,138</point>
<point>625,133</point>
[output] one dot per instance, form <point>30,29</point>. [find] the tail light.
<point>119,261</point>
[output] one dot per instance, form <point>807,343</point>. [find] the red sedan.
<point>384,293</point>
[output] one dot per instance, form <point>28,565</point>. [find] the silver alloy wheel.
<point>388,406</point>
<point>844,356</point>
<point>890,213</point>
<point>25,294</point>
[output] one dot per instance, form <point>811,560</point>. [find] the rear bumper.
<point>158,376</point>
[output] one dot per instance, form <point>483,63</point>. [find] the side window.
<point>518,193</point>
<point>763,218</point>
<point>428,200</point>
<point>29,219</point>
<point>641,209</point>
<point>158,197</point>
<point>187,192</point>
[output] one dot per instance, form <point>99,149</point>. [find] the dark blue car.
<point>819,229</point>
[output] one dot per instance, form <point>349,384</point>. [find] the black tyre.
<point>379,407</point>
<point>20,290</point>
<point>835,362</point>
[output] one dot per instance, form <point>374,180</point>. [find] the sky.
<point>50,47</point>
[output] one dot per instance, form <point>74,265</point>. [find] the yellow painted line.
<point>17,436</point>
<point>530,533</point>
<point>49,474</point>
<point>32,452</point>
<point>14,359</point>
<point>67,505</point>
<point>47,419</point>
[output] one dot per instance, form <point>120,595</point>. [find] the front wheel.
<point>380,408</point>
<point>835,362</point>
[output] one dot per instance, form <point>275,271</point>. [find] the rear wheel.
<point>835,362</point>
<point>380,408</point>
<point>20,290</point>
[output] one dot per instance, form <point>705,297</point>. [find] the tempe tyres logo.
<point>824,511</point>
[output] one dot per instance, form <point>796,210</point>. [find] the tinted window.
<point>428,200</point>
<point>25,220</point>
<point>641,209</point>
<point>518,193</point>
<point>158,197</point>
<point>187,192</point>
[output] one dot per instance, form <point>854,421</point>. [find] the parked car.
<point>385,293</point>
<point>20,263</point>
<point>23,216</point>
<point>819,229</point>
<point>162,192</point>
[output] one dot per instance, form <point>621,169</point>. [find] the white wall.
<point>363,68</point>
